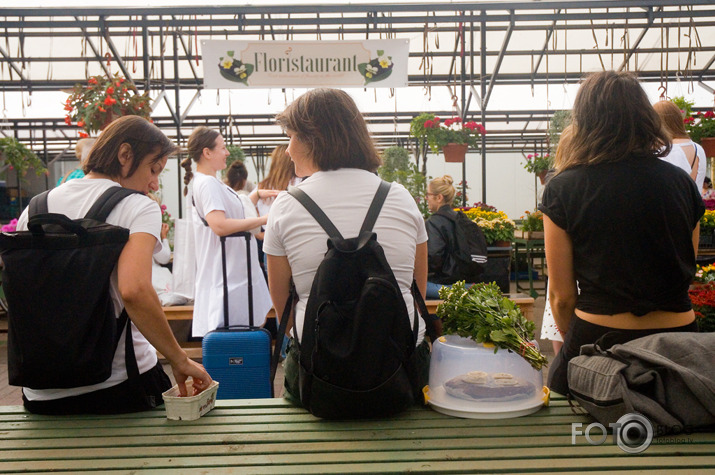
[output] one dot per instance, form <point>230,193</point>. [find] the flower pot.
<point>501,244</point>
<point>708,144</point>
<point>542,176</point>
<point>110,118</point>
<point>454,152</point>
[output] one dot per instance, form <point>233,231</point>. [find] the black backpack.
<point>357,348</point>
<point>62,327</point>
<point>467,253</point>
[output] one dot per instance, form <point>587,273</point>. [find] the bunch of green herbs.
<point>483,314</point>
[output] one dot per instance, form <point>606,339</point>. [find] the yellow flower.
<point>227,63</point>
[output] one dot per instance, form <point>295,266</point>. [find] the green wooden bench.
<point>272,436</point>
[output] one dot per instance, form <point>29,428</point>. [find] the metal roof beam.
<point>544,48</point>
<point>117,57</point>
<point>497,66</point>
<point>89,41</point>
<point>651,19</point>
<point>425,7</point>
<point>12,64</point>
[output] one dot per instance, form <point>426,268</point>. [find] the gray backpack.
<point>668,377</point>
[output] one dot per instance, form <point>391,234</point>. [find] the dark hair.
<point>143,137</point>
<point>672,119</point>
<point>236,175</point>
<point>329,123</point>
<point>201,138</point>
<point>613,120</point>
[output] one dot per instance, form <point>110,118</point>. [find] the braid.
<point>188,175</point>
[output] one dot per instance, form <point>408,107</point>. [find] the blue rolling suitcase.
<point>239,357</point>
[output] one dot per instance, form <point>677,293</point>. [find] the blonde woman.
<point>684,153</point>
<point>440,231</point>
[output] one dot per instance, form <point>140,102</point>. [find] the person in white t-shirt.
<point>330,144</point>
<point>685,153</point>
<point>218,211</point>
<point>131,152</point>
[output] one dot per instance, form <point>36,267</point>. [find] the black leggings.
<point>582,332</point>
<point>133,395</point>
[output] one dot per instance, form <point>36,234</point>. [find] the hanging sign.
<point>369,63</point>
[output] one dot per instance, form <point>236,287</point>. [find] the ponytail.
<point>188,174</point>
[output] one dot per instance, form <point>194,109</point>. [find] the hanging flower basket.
<point>708,144</point>
<point>94,105</point>
<point>542,176</point>
<point>455,152</point>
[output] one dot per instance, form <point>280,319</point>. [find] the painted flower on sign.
<point>378,68</point>
<point>234,69</point>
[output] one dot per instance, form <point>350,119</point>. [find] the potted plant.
<point>94,105</point>
<point>532,225</point>
<point>538,165</point>
<point>703,299</point>
<point>396,167</point>
<point>704,274</point>
<point>234,153</point>
<point>700,127</point>
<point>707,226</point>
<point>18,157</point>
<point>482,313</point>
<point>498,229</point>
<point>453,135</point>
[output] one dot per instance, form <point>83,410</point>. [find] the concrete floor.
<point>11,395</point>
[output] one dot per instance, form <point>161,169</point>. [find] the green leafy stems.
<point>483,314</point>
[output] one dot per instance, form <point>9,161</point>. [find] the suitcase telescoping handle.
<point>247,236</point>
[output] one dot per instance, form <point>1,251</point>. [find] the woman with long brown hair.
<point>684,153</point>
<point>620,221</point>
<point>218,211</point>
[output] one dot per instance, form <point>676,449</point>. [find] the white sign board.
<point>370,63</point>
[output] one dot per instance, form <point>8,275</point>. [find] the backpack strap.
<point>107,201</point>
<point>432,327</point>
<point>38,205</point>
<point>374,211</point>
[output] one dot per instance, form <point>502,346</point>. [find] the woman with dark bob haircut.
<point>331,146</point>
<point>620,221</point>
<point>131,152</point>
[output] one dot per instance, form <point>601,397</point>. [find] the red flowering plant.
<point>700,125</point>
<point>536,163</point>
<point>440,133</point>
<point>703,299</point>
<point>93,105</point>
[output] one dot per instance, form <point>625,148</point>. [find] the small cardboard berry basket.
<point>189,408</point>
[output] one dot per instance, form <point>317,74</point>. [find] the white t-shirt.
<point>139,214</point>
<point>209,195</point>
<point>345,196</point>
<point>264,204</point>
<point>679,158</point>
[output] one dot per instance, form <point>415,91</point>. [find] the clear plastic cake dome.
<point>468,379</point>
